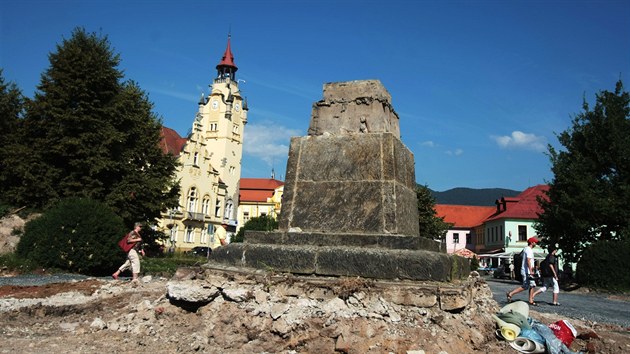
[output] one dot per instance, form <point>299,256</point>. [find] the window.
<point>196,159</point>
<point>522,233</point>
<point>205,205</point>
<point>229,208</point>
<point>217,208</point>
<point>214,127</point>
<point>235,129</point>
<point>456,237</point>
<point>204,236</point>
<point>245,216</point>
<point>192,199</point>
<point>232,170</point>
<point>190,234</point>
<point>468,238</point>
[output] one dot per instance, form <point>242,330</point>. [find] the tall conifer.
<point>11,109</point>
<point>93,135</point>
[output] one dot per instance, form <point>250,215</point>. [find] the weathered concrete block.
<point>292,259</point>
<point>380,263</point>
<point>411,297</point>
<point>354,107</point>
<point>357,183</point>
<point>321,239</point>
<point>351,192</point>
<point>191,291</point>
<point>454,299</point>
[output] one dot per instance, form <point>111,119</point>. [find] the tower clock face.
<point>215,105</point>
<point>237,107</point>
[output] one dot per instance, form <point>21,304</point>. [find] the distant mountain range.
<point>469,196</point>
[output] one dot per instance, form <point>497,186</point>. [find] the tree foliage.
<point>588,196</point>
<point>77,235</point>
<point>594,268</point>
<point>431,225</point>
<point>259,223</point>
<point>11,110</point>
<point>89,134</point>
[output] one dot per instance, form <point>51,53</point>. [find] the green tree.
<point>431,225</point>
<point>259,223</point>
<point>11,109</point>
<point>92,135</point>
<point>588,197</point>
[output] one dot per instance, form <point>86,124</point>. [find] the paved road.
<point>583,306</point>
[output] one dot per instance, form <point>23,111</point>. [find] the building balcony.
<point>194,216</point>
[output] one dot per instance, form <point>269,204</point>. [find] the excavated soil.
<point>271,316</point>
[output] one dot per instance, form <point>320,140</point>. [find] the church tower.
<point>221,119</point>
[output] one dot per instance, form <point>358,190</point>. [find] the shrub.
<point>14,263</point>
<point>474,263</point>
<point>4,209</point>
<point>259,223</point>
<point>604,265</point>
<point>77,235</point>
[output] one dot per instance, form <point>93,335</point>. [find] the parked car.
<point>500,273</point>
<point>200,251</point>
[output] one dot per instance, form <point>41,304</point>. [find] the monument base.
<point>368,256</point>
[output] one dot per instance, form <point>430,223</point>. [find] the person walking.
<point>133,259</point>
<point>219,236</point>
<point>527,272</point>
<point>549,271</point>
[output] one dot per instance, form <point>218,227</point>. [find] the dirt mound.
<point>260,313</point>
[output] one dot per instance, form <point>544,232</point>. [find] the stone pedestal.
<point>361,183</point>
<point>349,206</point>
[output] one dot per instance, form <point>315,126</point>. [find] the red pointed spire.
<point>228,57</point>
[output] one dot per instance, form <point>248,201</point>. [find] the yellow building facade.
<point>258,197</point>
<point>210,162</point>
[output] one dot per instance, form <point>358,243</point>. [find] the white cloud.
<point>175,94</point>
<point>267,141</point>
<point>520,140</point>
<point>456,152</point>
<point>428,143</point>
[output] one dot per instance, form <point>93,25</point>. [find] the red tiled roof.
<point>524,205</point>
<point>255,196</point>
<point>257,189</point>
<point>464,215</point>
<point>171,141</point>
<point>260,183</point>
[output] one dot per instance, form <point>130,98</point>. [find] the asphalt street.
<point>596,307</point>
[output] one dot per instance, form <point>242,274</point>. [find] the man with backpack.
<point>527,272</point>
<point>549,271</point>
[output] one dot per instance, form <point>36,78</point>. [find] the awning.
<point>510,255</point>
<point>465,252</point>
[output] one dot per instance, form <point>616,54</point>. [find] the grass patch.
<point>167,265</point>
<point>157,266</point>
<point>13,263</point>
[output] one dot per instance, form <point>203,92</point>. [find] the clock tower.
<point>221,120</point>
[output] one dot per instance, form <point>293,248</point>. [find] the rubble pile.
<point>207,310</point>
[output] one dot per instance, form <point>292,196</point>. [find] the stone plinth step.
<point>379,263</point>
<point>386,241</point>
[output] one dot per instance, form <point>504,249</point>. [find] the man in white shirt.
<point>527,272</point>
<point>218,239</point>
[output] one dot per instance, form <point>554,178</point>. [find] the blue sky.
<point>481,87</point>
